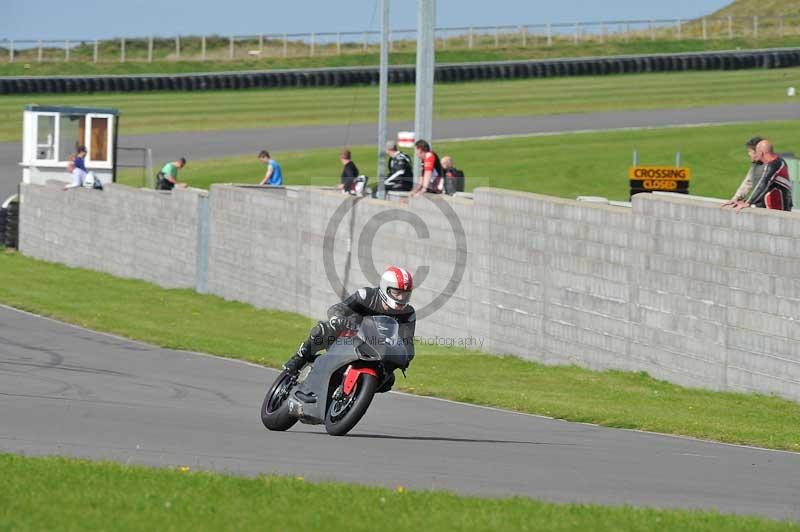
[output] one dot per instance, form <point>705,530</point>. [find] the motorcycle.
<point>338,387</point>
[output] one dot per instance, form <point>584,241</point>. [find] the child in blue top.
<point>274,175</point>
<point>80,158</point>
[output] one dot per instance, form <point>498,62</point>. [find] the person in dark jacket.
<point>349,171</point>
<point>401,170</point>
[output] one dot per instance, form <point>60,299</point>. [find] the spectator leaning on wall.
<point>349,171</point>
<point>401,170</point>
<point>432,173</point>
<point>167,178</point>
<point>756,167</point>
<point>274,175</point>
<point>773,188</point>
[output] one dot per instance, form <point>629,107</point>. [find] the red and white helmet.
<point>395,287</point>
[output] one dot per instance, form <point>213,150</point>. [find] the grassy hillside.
<point>749,8</point>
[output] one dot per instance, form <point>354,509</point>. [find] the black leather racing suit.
<point>364,302</point>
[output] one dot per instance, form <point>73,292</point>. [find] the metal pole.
<point>177,47</point>
<point>423,117</point>
<point>122,50</point>
<point>230,48</point>
<point>524,31</point>
<point>680,30</point>
<point>66,50</point>
<point>755,26</point>
<point>150,49</point>
<point>285,45</point>
<point>577,33</point>
<point>550,35</point>
<point>366,39</point>
<point>730,27</point>
<point>311,51</point>
<point>496,37</point>
<point>677,159</point>
<point>602,32</point>
<point>41,52</point>
<point>11,52</point>
<point>95,54</point>
<point>705,29</point>
<point>261,43</point>
<point>203,48</point>
<point>383,98</point>
<point>652,31</point>
<point>338,43</point>
<point>471,37</point>
<point>627,32</point>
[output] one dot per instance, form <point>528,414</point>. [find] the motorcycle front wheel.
<point>343,414</point>
<point>275,408</point>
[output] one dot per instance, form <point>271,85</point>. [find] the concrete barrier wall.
<point>674,286</point>
<point>128,232</point>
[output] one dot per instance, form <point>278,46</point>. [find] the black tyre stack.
<point>11,228</point>
<point>3,226</point>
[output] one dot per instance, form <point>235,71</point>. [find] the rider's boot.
<point>298,360</point>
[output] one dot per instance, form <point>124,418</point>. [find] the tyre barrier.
<point>3,224</point>
<point>11,237</point>
<point>447,73</point>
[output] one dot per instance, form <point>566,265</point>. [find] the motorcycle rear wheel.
<point>275,410</point>
<point>363,394</point>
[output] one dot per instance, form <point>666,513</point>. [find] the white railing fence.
<point>240,47</point>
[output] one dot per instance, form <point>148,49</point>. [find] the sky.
<point>90,19</point>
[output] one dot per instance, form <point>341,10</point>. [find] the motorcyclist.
<point>390,298</point>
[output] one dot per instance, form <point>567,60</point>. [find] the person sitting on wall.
<point>167,178</point>
<point>756,168</point>
<point>81,178</point>
<point>453,177</point>
<point>274,175</point>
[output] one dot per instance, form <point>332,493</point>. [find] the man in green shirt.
<point>168,176</point>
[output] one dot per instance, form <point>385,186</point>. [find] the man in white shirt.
<point>78,176</point>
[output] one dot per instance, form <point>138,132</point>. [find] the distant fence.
<point>342,77</point>
<point>238,47</point>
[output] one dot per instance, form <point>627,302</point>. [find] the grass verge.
<point>566,165</point>
<point>183,319</point>
<point>261,108</point>
<point>95,496</point>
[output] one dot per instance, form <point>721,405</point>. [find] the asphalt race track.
<point>213,144</point>
<point>69,391</point>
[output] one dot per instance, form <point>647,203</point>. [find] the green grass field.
<point>26,62</point>
<point>221,110</point>
<point>183,319</point>
<point>568,165</point>
<point>65,494</point>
